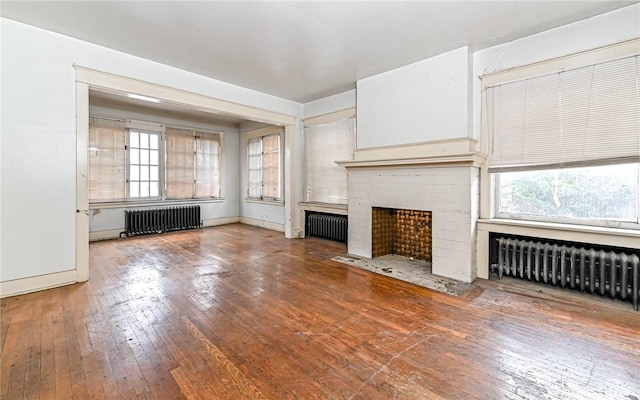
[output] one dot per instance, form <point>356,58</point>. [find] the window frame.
<point>260,134</point>
<point>490,185</point>
<point>604,223</point>
<point>161,166</point>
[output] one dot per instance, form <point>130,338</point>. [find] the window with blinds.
<point>254,155</point>
<point>134,164</point>
<point>264,169</point>
<point>193,164</point>
<point>326,182</point>
<point>107,160</point>
<point>565,146</point>
<point>584,116</point>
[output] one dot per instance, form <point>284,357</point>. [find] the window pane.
<point>154,189</point>
<point>153,141</point>
<point>144,189</point>
<point>134,173</point>
<point>144,140</point>
<point>144,156</point>
<point>133,139</point>
<point>134,189</point>
<point>154,173</point>
<point>134,156</point>
<point>144,173</point>
<point>590,193</point>
<point>153,157</point>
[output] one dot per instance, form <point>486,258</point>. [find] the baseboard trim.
<point>104,235</point>
<point>36,283</point>
<point>115,233</point>
<point>262,224</point>
<point>220,221</point>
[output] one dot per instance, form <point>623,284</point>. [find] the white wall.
<point>337,102</point>
<point>613,27</point>
<point>39,138</point>
<point>109,219</point>
<point>420,102</point>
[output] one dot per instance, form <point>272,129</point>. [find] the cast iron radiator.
<point>159,220</point>
<point>607,273</point>
<point>328,226</point>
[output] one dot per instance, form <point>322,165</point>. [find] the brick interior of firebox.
<point>403,232</point>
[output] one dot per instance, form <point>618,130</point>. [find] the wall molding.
<point>329,117</point>
<point>110,82</point>
<point>262,224</point>
<point>37,283</point>
<point>104,235</point>
<point>417,150</point>
<point>453,160</point>
<point>220,221</point>
<point>115,233</point>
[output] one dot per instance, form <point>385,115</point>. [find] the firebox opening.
<point>403,232</point>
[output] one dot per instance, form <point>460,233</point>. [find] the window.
<point>264,167</point>
<point>131,164</point>
<point>598,193</point>
<point>144,164</point>
<point>565,146</point>
<point>326,182</point>
<point>193,164</point>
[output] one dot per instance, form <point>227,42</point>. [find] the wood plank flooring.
<point>237,312</point>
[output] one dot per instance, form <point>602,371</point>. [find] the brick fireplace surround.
<point>445,183</point>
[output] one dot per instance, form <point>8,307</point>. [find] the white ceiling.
<point>298,50</point>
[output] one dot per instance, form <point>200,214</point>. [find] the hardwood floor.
<point>237,312</point>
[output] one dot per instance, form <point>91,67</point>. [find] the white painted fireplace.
<point>441,177</point>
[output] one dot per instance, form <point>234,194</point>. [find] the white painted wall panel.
<point>420,102</point>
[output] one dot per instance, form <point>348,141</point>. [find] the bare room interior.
<point>320,200</point>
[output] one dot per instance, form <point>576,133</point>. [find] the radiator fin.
<point>160,220</point>
<point>606,273</point>
<point>328,226</point>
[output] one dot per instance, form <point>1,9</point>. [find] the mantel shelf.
<point>472,159</point>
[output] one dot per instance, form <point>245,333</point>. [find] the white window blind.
<point>207,165</point>
<point>326,182</point>
<point>180,167</point>
<point>107,169</point>
<point>254,154</point>
<point>271,167</point>
<point>193,164</point>
<point>588,115</point>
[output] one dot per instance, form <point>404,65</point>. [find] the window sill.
<point>264,201</point>
<point>579,233</point>
<point>330,208</point>
<point>152,203</point>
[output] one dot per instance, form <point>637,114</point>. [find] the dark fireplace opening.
<point>402,232</point>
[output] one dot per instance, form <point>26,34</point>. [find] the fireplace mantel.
<point>459,152</point>
<point>472,159</point>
